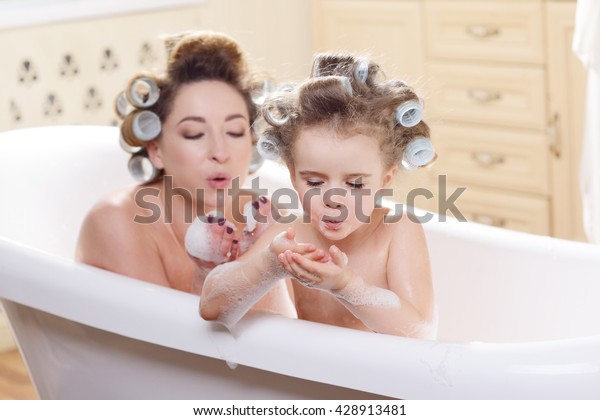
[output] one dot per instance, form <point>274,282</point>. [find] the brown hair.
<point>195,57</point>
<point>346,93</point>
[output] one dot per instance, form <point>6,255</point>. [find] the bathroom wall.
<point>69,72</point>
<point>60,69</point>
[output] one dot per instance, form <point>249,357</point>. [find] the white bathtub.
<point>519,314</point>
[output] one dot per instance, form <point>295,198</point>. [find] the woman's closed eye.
<point>236,134</point>
<point>193,136</point>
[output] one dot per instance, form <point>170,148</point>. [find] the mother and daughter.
<point>342,133</point>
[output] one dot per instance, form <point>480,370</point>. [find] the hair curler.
<point>409,114</point>
<point>418,153</point>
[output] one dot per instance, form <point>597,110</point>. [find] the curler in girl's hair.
<point>259,98</point>
<point>275,114</point>
<point>316,69</point>
<point>141,169</point>
<point>409,114</point>
<point>122,105</point>
<point>346,84</point>
<point>268,146</point>
<point>361,70</point>
<point>142,92</point>
<point>418,153</point>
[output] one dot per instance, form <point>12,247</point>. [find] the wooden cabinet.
<point>503,95</point>
<point>486,65</point>
<point>566,86</point>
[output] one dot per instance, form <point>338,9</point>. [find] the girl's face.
<point>337,179</point>
<point>206,140</point>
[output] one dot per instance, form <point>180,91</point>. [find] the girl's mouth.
<point>332,224</point>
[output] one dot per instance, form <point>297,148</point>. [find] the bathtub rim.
<point>255,333</point>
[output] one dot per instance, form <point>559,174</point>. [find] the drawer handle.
<point>487,159</point>
<point>483,96</point>
<point>489,220</point>
<point>481,31</point>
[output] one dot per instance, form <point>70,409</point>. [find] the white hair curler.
<point>146,126</point>
<point>316,69</point>
<point>142,92</point>
<point>346,84</point>
<point>268,146</point>
<point>419,152</point>
<point>122,105</point>
<point>361,71</point>
<point>141,169</point>
<point>126,147</point>
<point>409,113</point>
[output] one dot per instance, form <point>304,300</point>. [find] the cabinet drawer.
<point>502,209</point>
<point>502,158</point>
<point>501,95</point>
<point>508,31</point>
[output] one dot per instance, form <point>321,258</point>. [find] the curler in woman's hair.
<point>418,153</point>
<point>268,146</point>
<point>142,92</point>
<point>361,70</point>
<point>146,125</point>
<point>122,105</point>
<point>126,146</point>
<point>141,169</point>
<point>409,113</point>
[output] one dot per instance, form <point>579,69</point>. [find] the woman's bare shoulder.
<point>109,227</point>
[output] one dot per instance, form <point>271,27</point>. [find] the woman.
<point>194,125</point>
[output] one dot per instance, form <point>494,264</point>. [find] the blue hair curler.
<point>409,113</point>
<point>419,152</point>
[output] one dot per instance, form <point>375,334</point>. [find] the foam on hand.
<point>201,243</point>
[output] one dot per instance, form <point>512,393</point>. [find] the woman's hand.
<point>211,241</point>
<point>329,273</point>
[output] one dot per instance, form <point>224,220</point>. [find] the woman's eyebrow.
<point>193,118</point>
<point>234,116</point>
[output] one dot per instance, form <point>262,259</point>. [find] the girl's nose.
<point>334,200</point>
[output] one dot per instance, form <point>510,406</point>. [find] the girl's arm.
<point>406,309</point>
<point>231,289</point>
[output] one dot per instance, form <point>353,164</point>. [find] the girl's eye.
<point>311,183</point>
<point>193,136</point>
<point>356,184</point>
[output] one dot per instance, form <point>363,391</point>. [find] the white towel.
<point>586,45</point>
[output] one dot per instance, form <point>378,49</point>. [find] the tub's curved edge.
<point>408,368</point>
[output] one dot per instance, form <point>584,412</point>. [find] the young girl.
<point>342,134</point>
<point>192,128</point>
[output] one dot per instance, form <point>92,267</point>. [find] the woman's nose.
<point>219,151</point>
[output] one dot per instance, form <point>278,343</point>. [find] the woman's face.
<point>206,142</point>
